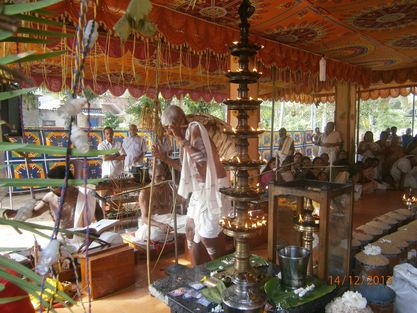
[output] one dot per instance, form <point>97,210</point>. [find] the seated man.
<point>162,220</point>
<point>72,214</point>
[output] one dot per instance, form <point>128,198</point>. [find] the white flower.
<point>372,250</point>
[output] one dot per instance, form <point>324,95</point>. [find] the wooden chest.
<point>109,270</point>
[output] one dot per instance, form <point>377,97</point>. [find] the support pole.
<point>414,111</point>
<point>358,110</point>
<point>274,70</point>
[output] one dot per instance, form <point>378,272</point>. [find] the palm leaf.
<point>13,9</point>
<point>34,228</point>
<point>41,56</point>
<point>32,289</point>
<point>39,20</point>
<point>26,147</point>
<point>41,182</point>
<point>14,93</point>
<point>12,58</point>
<point>11,299</point>
<point>5,34</point>
<point>20,39</point>
<point>40,32</point>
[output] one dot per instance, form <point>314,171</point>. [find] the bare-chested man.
<point>72,214</point>
<point>202,174</point>
<point>161,219</point>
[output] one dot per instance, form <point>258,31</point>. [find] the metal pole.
<point>174,214</point>
<point>414,112</point>
<point>358,110</point>
<point>273,110</point>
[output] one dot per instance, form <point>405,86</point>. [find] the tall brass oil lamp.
<point>245,294</point>
<point>307,225</point>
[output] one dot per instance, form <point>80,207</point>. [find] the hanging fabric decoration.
<point>322,69</point>
<point>48,257</point>
<point>90,34</point>
<point>73,106</point>
<point>80,139</point>
<point>135,19</point>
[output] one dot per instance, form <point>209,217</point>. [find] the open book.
<point>98,227</point>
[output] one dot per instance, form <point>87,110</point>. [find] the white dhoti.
<point>156,233</point>
<point>206,222</point>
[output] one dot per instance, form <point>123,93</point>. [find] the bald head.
<point>172,115</point>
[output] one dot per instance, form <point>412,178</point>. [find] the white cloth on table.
<point>156,233</point>
<point>134,147</point>
<point>285,149</point>
<point>332,138</point>
<point>113,168</point>
<point>206,221</point>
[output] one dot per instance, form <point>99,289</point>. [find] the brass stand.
<point>307,225</point>
<point>245,295</point>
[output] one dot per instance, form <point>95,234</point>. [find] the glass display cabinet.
<point>301,208</point>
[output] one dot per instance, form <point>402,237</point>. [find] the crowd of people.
<point>390,162</point>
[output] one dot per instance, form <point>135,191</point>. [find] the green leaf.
<point>28,40</point>
<point>11,249</point>
<point>5,34</point>
<point>40,182</point>
<point>13,9</point>
<point>41,56</point>
<point>34,228</point>
<point>35,19</point>
<point>14,93</point>
<point>12,58</point>
<point>11,299</point>
<point>26,147</point>
<point>41,32</point>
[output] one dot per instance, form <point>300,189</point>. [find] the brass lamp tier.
<point>243,77</point>
<point>245,295</point>
<point>243,104</point>
<point>238,49</point>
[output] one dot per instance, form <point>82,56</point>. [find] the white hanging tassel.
<point>73,106</point>
<point>322,69</point>
<point>48,257</point>
<point>91,28</point>
<point>79,139</point>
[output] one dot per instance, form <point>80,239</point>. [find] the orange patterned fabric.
<point>364,42</point>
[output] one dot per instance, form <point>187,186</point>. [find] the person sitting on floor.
<point>161,219</point>
<point>267,174</point>
<point>72,213</point>
<point>367,180</point>
<point>284,173</point>
<point>404,172</point>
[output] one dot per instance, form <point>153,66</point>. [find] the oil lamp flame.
<point>235,42</point>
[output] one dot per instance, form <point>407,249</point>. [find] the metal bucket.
<point>293,262</point>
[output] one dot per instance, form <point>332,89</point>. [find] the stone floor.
<point>136,298</point>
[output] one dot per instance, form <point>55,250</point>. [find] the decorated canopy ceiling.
<point>363,41</point>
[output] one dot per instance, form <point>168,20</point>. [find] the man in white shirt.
<point>112,164</point>
<point>285,145</point>
<point>330,142</point>
<point>404,172</point>
<point>135,147</point>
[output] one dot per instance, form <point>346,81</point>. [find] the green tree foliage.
<point>111,120</point>
<point>194,107</point>
<point>378,115</point>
